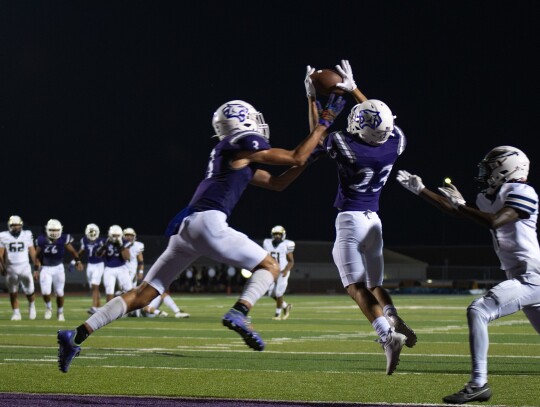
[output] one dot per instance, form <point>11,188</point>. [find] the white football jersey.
<point>280,252</point>
<point>16,247</point>
<point>134,250</point>
<point>516,241</point>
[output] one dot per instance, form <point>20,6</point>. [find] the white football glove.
<point>453,195</point>
<point>345,70</point>
<point>310,88</point>
<point>410,182</point>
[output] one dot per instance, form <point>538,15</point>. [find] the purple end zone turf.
<point>62,400</point>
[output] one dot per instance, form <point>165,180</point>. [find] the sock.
<point>382,327</point>
<point>257,286</point>
<point>389,310</point>
<point>284,305</point>
<point>241,307</point>
<point>48,305</point>
<point>32,304</point>
<point>16,311</point>
<point>113,310</point>
<point>169,302</point>
<point>81,335</point>
<point>60,310</point>
<point>155,303</point>
<point>278,312</point>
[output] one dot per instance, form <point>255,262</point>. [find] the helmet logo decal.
<point>236,111</point>
<point>369,118</point>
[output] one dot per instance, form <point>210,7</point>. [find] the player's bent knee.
<point>270,264</point>
<point>479,309</point>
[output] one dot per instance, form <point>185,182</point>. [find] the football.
<point>325,81</point>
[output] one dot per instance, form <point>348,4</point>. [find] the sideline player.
<point>90,243</point>
<point>508,207</point>
<point>136,258</point>
<point>282,250</point>
<point>364,155</point>
<point>50,249</point>
<point>201,228</point>
<point>16,245</point>
<point>152,309</point>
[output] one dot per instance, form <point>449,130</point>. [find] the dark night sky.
<point>106,106</point>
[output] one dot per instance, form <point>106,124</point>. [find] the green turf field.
<point>324,352</point>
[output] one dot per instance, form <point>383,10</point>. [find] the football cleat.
<point>469,393</point>
<point>287,311</point>
<point>240,323</point>
<point>277,317</point>
<point>181,314</point>
<point>392,349</point>
<point>67,350</point>
<point>48,313</point>
<point>401,327</point>
<point>16,316</point>
<point>61,317</point>
<point>32,313</point>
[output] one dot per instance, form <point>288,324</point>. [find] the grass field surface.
<point>324,352</point>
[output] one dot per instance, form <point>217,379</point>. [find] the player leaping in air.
<point>201,228</point>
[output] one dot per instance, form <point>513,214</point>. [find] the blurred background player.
<point>50,249</point>
<point>136,259</point>
<point>90,243</point>
<point>115,253</point>
<point>364,154</point>
<point>16,249</point>
<point>282,250</point>
<point>153,309</point>
<point>508,207</point>
<point>201,228</point>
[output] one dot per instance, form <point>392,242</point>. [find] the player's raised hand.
<point>453,195</point>
<point>332,109</point>
<point>308,83</point>
<point>410,182</point>
<point>345,70</point>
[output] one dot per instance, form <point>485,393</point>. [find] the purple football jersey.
<point>91,247</point>
<point>222,187</point>
<point>362,168</point>
<point>113,257</point>
<point>52,252</point>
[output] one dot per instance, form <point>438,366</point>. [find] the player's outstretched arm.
<point>348,84</point>
<point>264,179</point>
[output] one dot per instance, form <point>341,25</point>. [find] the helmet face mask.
<point>237,115</point>
<point>278,230</point>
<point>92,231</point>
<point>15,224</point>
<point>502,164</point>
<point>372,121</point>
<point>53,229</point>
<point>115,233</point>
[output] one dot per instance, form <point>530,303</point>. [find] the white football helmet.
<point>278,229</point>
<point>115,233</point>
<point>130,231</point>
<point>14,221</point>
<point>237,115</point>
<point>502,164</point>
<point>92,231</point>
<point>53,229</point>
<point>372,121</point>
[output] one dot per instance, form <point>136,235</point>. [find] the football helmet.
<point>92,231</point>
<point>115,233</point>
<point>130,231</point>
<point>53,229</point>
<point>372,121</point>
<point>502,164</point>
<point>279,230</point>
<point>14,221</point>
<point>237,115</point>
